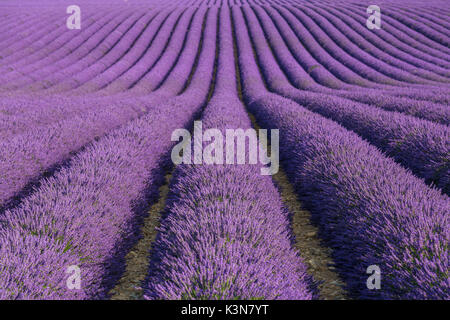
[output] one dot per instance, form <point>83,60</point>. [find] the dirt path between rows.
<point>316,256</point>
<point>129,287</point>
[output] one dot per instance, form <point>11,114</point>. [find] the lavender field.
<point>93,206</point>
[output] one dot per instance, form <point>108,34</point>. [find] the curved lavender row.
<point>132,75</point>
<point>162,66</point>
<point>420,145</point>
<point>393,70</point>
<point>339,54</point>
<point>343,57</point>
<point>11,20</point>
<point>21,71</point>
<point>58,42</point>
<point>435,33</point>
<point>300,79</point>
<point>94,229</point>
<point>358,43</point>
<point>179,79</point>
<point>88,229</point>
<point>392,33</point>
<point>430,21</point>
<point>26,116</point>
<point>416,93</point>
<point>417,35</point>
<point>245,251</point>
<point>432,16</point>
<point>86,77</point>
<point>24,157</point>
<point>362,200</point>
<point>167,72</point>
<point>14,47</point>
<point>389,44</point>
<point>90,52</point>
<point>42,67</point>
<point>136,50</point>
<point>303,70</point>
<point>426,17</point>
<point>19,29</point>
<point>295,74</point>
<point>117,44</point>
<point>100,44</point>
<point>324,58</point>
<point>28,113</point>
<point>340,71</point>
<point>421,109</point>
<point>441,14</point>
<point>441,96</point>
<point>38,46</point>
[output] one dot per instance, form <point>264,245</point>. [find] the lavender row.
<point>99,46</point>
<point>42,67</point>
<point>140,68</point>
<point>418,144</point>
<point>382,46</point>
<point>344,58</point>
<point>342,72</point>
<point>84,56</point>
<point>439,35</point>
<point>356,44</point>
<point>393,32</point>
<point>25,157</point>
<point>94,228</point>
<point>87,76</point>
<point>391,69</point>
<point>40,46</point>
<point>410,31</point>
<point>156,72</point>
<point>85,214</point>
<point>111,49</point>
<point>300,79</point>
<point>15,48</point>
<point>23,115</point>
<point>225,234</point>
<point>20,27</point>
<point>302,69</point>
<point>45,49</point>
<point>370,210</point>
<point>340,55</point>
<point>130,57</point>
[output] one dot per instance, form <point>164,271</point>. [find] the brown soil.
<point>137,260</point>
<point>316,256</point>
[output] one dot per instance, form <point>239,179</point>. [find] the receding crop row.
<point>86,119</point>
<point>58,58</point>
<point>418,144</point>
<point>225,234</point>
<point>86,214</point>
<point>371,211</point>
<point>379,46</point>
